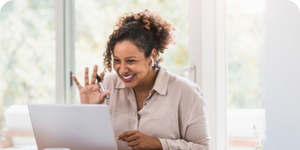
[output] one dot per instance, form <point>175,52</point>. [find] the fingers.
<point>76,82</point>
<point>103,94</point>
<point>86,76</point>
<point>102,76</point>
<point>94,75</point>
<point>133,143</point>
<point>126,134</point>
<point>131,138</point>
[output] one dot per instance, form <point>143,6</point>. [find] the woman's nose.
<point>123,68</point>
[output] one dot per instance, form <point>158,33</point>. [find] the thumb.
<point>103,94</point>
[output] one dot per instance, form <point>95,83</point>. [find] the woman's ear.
<point>153,54</point>
<point>152,62</point>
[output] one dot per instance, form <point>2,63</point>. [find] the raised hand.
<point>90,93</point>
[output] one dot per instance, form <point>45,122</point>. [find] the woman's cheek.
<point>133,68</point>
<point>116,66</point>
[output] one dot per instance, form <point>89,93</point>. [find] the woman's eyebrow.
<point>131,57</point>
<point>126,57</point>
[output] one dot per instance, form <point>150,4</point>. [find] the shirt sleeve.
<point>194,131</point>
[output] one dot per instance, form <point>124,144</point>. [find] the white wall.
<point>281,98</point>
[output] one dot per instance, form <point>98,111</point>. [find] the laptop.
<point>77,127</point>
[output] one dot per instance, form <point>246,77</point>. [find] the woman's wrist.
<point>158,144</point>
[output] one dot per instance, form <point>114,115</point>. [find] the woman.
<point>150,107</point>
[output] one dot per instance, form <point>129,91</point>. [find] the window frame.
<point>207,51</point>
<point>65,51</point>
<point>59,47</point>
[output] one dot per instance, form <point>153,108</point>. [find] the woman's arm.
<point>194,129</point>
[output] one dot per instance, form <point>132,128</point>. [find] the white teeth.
<point>128,77</point>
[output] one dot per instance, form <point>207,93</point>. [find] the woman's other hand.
<point>90,93</point>
<point>138,140</point>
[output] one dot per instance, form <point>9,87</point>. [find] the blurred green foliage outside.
<point>245,45</point>
<point>27,53</point>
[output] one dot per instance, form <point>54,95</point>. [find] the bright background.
<point>27,53</point>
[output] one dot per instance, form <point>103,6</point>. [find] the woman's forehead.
<point>126,49</point>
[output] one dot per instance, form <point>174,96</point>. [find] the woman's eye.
<point>116,60</point>
<point>131,61</point>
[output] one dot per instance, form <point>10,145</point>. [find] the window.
<point>27,63</point>
<point>245,44</point>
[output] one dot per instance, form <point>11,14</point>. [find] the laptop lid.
<point>77,127</point>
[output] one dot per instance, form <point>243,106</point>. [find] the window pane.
<point>245,41</point>
<point>95,20</point>
<point>27,65</point>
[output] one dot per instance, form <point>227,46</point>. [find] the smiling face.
<point>130,64</point>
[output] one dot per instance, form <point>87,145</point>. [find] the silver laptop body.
<point>77,127</point>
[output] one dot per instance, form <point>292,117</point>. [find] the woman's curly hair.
<point>146,30</point>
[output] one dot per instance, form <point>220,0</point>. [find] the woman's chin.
<point>129,84</point>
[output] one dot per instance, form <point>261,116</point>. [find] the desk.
<point>33,147</point>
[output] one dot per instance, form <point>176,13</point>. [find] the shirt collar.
<point>161,82</point>
<point>120,84</point>
<point>160,85</point>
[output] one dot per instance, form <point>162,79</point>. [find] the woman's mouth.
<point>128,78</point>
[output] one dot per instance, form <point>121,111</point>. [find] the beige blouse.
<point>174,112</point>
